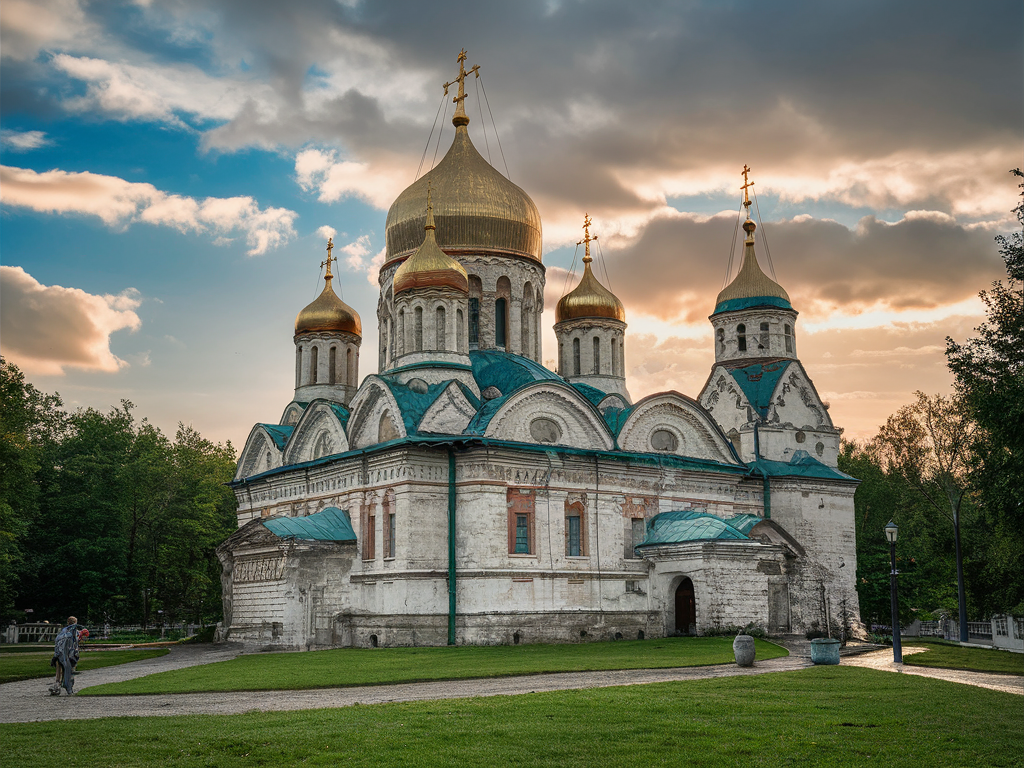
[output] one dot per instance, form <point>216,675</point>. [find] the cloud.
<point>50,328</point>
<point>28,26</point>
<point>326,232</point>
<point>23,141</point>
<point>117,202</point>
<point>320,171</point>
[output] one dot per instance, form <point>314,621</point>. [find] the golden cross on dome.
<point>330,247</point>
<point>746,183</point>
<point>460,117</point>
<point>586,238</point>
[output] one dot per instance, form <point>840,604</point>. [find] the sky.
<point>170,172</point>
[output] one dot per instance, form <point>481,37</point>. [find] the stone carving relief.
<point>673,419</point>
<point>578,426</point>
<point>318,433</point>
<point>449,414</point>
<point>259,569</point>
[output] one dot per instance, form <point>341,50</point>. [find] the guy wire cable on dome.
<point>439,132</point>
<point>483,125</point>
<point>572,270</point>
<point>604,265</point>
<point>427,145</point>
<point>764,239</point>
<point>494,126</point>
<point>732,250</point>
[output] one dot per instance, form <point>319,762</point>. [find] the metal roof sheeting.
<point>330,524</point>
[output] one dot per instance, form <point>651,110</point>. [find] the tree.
<point>989,377</point>
<point>929,444</point>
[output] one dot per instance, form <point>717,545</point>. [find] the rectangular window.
<point>474,323</point>
<point>369,532</point>
<point>520,522</point>
<point>635,534</point>
<point>391,535</point>
<point>572,532</point>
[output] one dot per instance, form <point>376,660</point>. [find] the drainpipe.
<point>764,475</point>
<point>451,546</point>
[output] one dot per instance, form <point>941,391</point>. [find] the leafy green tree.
<point>989,375</point>
<point>29,419</point>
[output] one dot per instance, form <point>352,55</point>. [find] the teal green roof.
<point>758,381</point>
<point>744,523</point>
<point>341,412</point>
<point>688,525</point>
<point>801,465</point>
<point>279,433</point>
<point>731,305</point>
<point>593,394</point>
<point>330,524</point>
<point>506,371</point>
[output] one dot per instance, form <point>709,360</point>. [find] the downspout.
<point>451,545</point>
<point>766,485</point>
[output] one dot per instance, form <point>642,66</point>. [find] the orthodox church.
<point>466,494</point>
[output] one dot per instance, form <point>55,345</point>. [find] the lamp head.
<point>891,529</point>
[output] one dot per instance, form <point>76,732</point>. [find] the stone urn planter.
<point>824,650</point>
<point>744,650</point>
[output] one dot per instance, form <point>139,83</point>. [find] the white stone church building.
<point>465,494</point>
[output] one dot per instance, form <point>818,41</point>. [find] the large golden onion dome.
<point>429,266</point>
<point>477,210</point>
<point>589,299</point>
<point>751,287</point>
<point>328,313</point>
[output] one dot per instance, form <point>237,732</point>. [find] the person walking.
<point>65,657</point>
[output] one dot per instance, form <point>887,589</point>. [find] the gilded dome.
<point>477,210</point>
<point>751,287</point>
<point>429,266</point>
<point>328,313</point>
<point>589,299</point>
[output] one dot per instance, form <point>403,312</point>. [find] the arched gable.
<point>725,400</point>
<point>796,402</point>
<point>372,406</point>
<point>320,432</point>
<point>613,400</point>
<point>292,413</point>
<point>263,450</point>
<point>449,414</point>
<point>547,412</point>
<point>669,422</point>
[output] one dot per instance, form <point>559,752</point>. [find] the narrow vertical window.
<point>788,332</point>
<point>575,357</point>
<point>615,357</point>
<point>764,342</point>
<point>401,332</point>
<point>561,359</point>
<point>298,367</point>
<point>637,532</point>
<point>720,336</point>
<point>460,333</point>
<point>500,323</point>
<point>313,362</point>
<point>418,330</point>
<point>351,374</point>
<point>474,323</point>
<point>520,521</point>
<point>332,363</point>
<point>741,337</point>
<point>369,530</point>
<point>439,329</point>
<point>522,535</point>
<point>389,523</point>
<point>575,530</point>
<point>597,355</point>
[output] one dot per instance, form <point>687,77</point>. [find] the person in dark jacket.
<point>65,657</point>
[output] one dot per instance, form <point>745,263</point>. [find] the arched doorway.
<point>686,608</point>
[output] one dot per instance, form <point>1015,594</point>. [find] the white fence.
<point>42,632</point>
<point>999,632</point>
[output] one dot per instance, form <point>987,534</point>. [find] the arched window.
<point>401,332</point>
<point>525,322</point>
<point>298,367</point>
<point>788,332</point>
<point>460,334</point>
<point>615,357</point>
<point>763,342</point>
<point>351,374</point>
<point>333,364</point>
<point>575,357</point>
<point>313,362</point>
<point>417,342</point>
<point>475,293</point>
<point>561,359</point>
<point>389,522</point>
<point>439,329</point>
<point>741,337</point>
<point>501,323</point>
<point>721,339</point>
<point>597,355</point>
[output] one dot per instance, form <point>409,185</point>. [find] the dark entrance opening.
<point>686,608</point>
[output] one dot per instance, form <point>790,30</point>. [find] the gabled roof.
<point>801,465</point>
<point>279,433</point>
<point>330,524</point>
<point>759,380</point>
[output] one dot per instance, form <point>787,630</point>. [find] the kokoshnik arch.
<point>466,494</point>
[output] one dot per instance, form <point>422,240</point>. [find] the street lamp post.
<point>897,649</point>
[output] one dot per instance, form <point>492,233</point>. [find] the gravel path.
<point>28,701</point>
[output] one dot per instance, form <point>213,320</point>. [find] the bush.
<point>732,630</point>
<point>204,635</point>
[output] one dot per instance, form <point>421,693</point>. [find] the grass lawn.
<point>821,716</point>
<point>373,666</point>
<point>23,666</point>
<point>950,656</point>
<point>26,648</point>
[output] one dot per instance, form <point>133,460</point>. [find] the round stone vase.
<point>744,650</point>
<point>824,650</point>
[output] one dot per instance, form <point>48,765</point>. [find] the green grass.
<point>358,666</point>
<point>949,656</point>
<point>26,648</point>
<point>29,666</point>
<point>822,716</point>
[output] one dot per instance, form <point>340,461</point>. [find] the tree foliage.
<point>118,522</point>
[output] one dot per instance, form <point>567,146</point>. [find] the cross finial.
<point>330,247</point>
<point>747,183</point>
<point>586,238</point>
<point>460,117</point>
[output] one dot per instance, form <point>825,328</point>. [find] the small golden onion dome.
<point>751,283</point>
<point>589,299</point>
<point>328,313</point>
<point>429,266</point>
<point>476,208</point>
